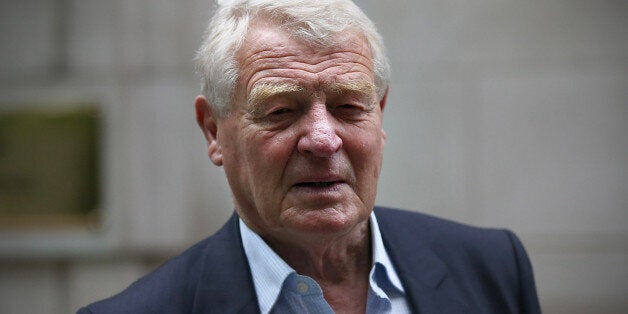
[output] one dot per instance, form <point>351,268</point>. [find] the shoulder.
<point>171,288</point>
<point>167,285</point>
<point>441,234</point>
<point>489,266</point>
<point>458,245</point>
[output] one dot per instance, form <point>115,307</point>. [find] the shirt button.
<point>302,287</point>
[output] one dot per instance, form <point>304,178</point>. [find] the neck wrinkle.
<point>344,259</point>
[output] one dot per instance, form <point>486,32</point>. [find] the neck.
<point>339,265</point>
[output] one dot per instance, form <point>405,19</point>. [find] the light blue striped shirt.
<point>280,289</point>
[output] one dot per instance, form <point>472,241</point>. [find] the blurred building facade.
<point>501,113</point>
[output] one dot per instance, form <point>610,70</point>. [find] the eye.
<point>350,111</point>
<point>280,115</point>
<point>280,111</point>
<point>349,108</point>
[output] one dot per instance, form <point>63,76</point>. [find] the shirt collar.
<point>269,271</point>
<point>380,256</point>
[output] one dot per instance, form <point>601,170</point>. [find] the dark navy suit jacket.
<point>445,267</point>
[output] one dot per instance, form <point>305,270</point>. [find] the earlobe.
<point>207,121</point>
<point>215,153</point>
<point>382,105</point>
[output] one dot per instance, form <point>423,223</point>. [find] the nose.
<point>319,133</point>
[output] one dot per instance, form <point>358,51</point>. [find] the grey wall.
<point>501,113</point>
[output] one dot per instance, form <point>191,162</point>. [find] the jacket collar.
<point>422,272</point>
<point>225,284</point>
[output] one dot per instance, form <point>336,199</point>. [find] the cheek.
<point>271,148</point>
<point>364,149</point>
<point>366,144</point>
<point>266,156</point>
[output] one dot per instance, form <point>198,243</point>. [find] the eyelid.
<point>352,110</point>
<point>351,106</point>
<point>277,110</point>
<point>357,100</point>
<point>266,98</point>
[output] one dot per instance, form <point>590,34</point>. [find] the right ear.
<point>207,121</point>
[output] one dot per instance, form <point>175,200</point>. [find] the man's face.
<point>302,146</point>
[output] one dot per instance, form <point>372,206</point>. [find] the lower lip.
<point>310,189</point>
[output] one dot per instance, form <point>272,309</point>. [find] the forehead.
<point>271,54</point>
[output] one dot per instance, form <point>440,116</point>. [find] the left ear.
<point>208,122</point>
<point>382,102</point>
<point>382,105</point>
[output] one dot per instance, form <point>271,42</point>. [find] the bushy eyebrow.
<point>360,87</point>
<point>263,92</point>
<point>356,86</point>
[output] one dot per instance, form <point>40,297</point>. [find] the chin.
<point>326,221</point>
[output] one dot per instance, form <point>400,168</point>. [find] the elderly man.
<point>292,109</point>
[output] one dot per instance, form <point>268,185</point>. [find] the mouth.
<point>319,191</point>
<point>322,184</point>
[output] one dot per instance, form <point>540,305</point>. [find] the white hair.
<point>315,21</point>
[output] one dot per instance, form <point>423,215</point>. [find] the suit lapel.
<point>225,284</point>
<point>422,272</point>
